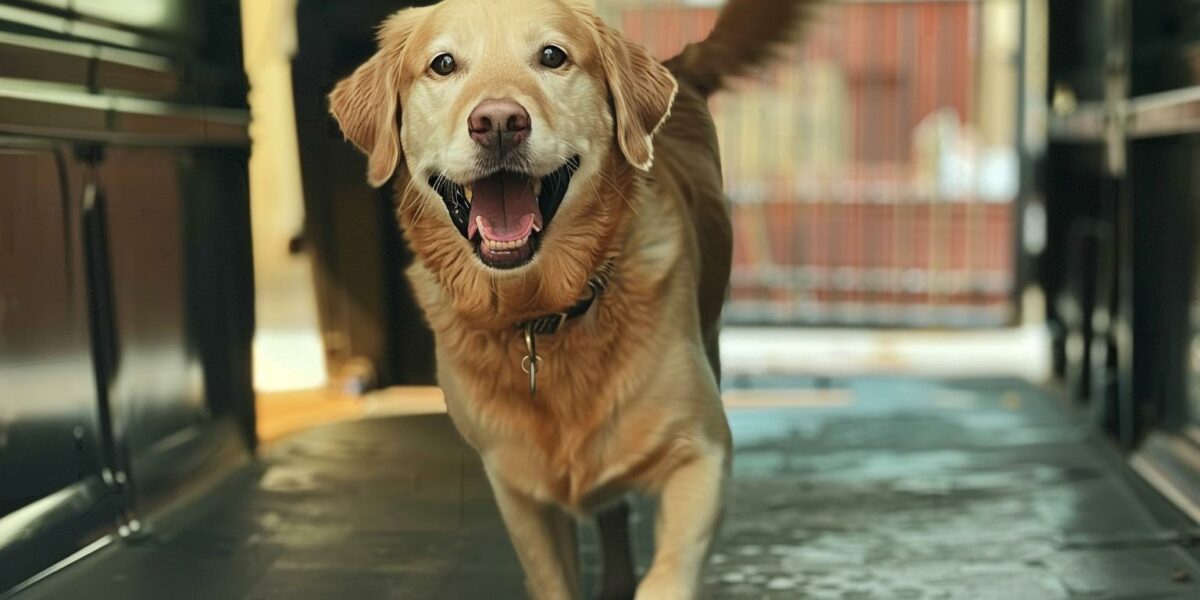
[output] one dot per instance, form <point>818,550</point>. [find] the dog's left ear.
<point>367,103</point>
<point>642,91</point>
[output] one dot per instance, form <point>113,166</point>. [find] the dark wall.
<point>366,307</point>
<point>1163,194</point>
<point>1163,32</point>
<point>1076,48</point>
<point>1081,201</point>
<point>1119,269</point>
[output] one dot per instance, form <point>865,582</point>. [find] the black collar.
<point>551,324</point>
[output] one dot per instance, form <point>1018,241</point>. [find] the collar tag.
<point>531,363</point>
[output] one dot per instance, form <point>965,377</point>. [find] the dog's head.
<point>501,113</point>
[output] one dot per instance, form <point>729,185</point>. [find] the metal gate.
<point>874,173</point>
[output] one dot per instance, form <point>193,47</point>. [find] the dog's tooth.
<point>537,188</point>
<point>469,192</point>
<point>498,246</point>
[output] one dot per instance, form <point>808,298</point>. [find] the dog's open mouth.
<point>505,214</point>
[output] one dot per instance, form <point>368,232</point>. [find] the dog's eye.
<point>443,65</point>
<point>553,57</point>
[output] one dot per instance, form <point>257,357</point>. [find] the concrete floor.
<point>887,489</point>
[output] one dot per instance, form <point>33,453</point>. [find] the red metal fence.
<point>862,191</point>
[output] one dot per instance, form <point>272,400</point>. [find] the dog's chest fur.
<point>589,430</point>
<point>613,386</point>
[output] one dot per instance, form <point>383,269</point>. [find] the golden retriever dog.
<point>561,191</point>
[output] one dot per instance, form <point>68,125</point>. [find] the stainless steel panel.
<point>157,389</point>
<point>1168,113</point>
<point>124,383</point>
<point>1176,112</point>
<point>100,68</point>
<point>174,396</point>
<point>54,23</point>
<point>53,499</point>
<point>31,108</point>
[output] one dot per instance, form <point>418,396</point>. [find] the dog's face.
<point>504,114</point>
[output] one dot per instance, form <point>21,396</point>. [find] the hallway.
<point>860,489</point>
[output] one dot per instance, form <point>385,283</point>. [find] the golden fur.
<point>628,395</point>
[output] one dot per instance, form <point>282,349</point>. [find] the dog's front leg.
<point>544,538</point>
<point>688,514</point>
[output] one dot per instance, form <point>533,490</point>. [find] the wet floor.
<point>910,489</point>
<point>879,489</point>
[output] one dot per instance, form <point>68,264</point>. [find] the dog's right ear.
<point>367,103</point>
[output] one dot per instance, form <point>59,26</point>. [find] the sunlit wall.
<point>288,350</point>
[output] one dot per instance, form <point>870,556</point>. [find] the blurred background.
<point>963,310</point>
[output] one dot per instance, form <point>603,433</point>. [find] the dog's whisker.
<point>407,197</point>
<point>607,179</point>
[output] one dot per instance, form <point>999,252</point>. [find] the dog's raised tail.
<point>748,34</point>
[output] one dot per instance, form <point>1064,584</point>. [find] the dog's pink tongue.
<point>506,203</point>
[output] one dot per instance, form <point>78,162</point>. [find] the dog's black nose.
<point>502,123</point>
